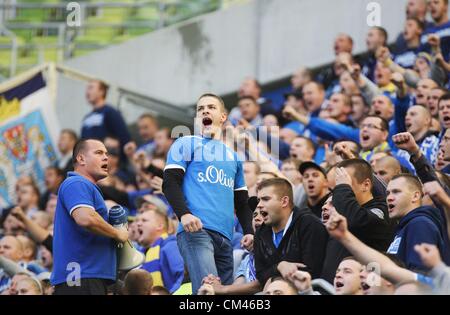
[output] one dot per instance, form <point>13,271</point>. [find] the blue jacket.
<point>422,225</point>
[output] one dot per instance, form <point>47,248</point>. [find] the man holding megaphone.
<point>84,243</point>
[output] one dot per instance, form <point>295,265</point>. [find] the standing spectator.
<point>163,142</point>
<point>343,43</point>
<point>53,179</point>
<point>415,9</point>
<point>417,224</point>
<point>66,142</point>
<point>206,206</point>
<point>339,108</point>
<point>290,238</point>
<point>315,184</point>
<point>162,257</point>
<point>376,37</point>
<point>386,168</point>
<point>406,56</point>
<point>368,216</point>
<point>439,12</point>
<point>433,100</point>
<point>300,78</point>
<point>249,111</point>
<point>28,199</point>
<point>290,169</point>
<point>418,123</point>
<point>302,149</point>
<point>147,126</point>
<point>251,87</point>
<point>347,280</point>
<point>251,172</point>
<point>81,230</point>
<point>104,120</point>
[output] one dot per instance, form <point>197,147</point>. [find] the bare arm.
<point>93,222</point>
<point>36,232</point>
<point>337,227</point>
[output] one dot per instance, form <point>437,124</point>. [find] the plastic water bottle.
<point>118,217</point>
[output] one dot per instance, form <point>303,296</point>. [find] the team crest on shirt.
<point>393,248</point>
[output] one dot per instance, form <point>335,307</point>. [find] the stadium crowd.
<point>348,182</point>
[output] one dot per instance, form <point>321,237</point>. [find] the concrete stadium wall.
<point>267,39</point>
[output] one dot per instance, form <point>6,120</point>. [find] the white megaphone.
<point>128,256</point>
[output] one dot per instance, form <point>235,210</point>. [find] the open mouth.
<point>325,217</point>
<point>339,284</point>
<point>408,126</point>
<point>105,167</point>
<point>294,155</point>
<point>391,207</point>
<point>207,121</point>
<point>310,187</point>
<point>420,95</point>
<point>365,138</point>
<point>365,286</point>
<point>446,119</point>
<point>377,112</point>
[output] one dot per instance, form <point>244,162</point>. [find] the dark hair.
<point>250,98</point>
<point>59,172</point>
<point>445,97</point>
<point>161,290</point>
<point>79,147</point>
<point>309,142</point>
<point>138,282</point>
<point>217,97</point>
<point>102,86</point>
<point>282,188</point>
<point>419,23</point>
<point>384,122</point>
<point>71,133</point>
<point>362,169</point>
<point>383,32</point>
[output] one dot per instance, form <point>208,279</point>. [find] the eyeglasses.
<point>370,126</point>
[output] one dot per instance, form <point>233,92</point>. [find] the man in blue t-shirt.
<point>84,244</point>
<point>204,183</point>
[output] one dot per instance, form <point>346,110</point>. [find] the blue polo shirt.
<point>75,249</point>
<point>213,172</point>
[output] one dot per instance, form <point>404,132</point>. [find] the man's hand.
<point>130,149</point>
<point>429,254</point>
<point>141,160</point>
<point>337,226</point>
<point>399,81</point>
<point>434,190</point>
<point>289,112</point>
<point>301,280</point>
<point>434,41</point>
<point>342,177</point>
<point>191,223</point>
<point>343,151</point>
<point>122,235</point>
<point>247,242</point>
<point>206,289</point>
<point>405,141</point>
<point>18,213</point>
<point>286,269</point>
<point>211,279</point>
<point>383,55</point>
<point>156,184</point>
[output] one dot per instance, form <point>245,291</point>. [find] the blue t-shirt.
<point>73,244</point>
<point>213,172</point>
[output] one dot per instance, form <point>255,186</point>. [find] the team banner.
<point>28,127</point>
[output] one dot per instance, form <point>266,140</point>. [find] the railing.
<point>67,45</point>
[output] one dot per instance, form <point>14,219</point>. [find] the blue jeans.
<point>206,252</point>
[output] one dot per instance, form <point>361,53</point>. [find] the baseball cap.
<point>306,165</point>
<point>160,205</point>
